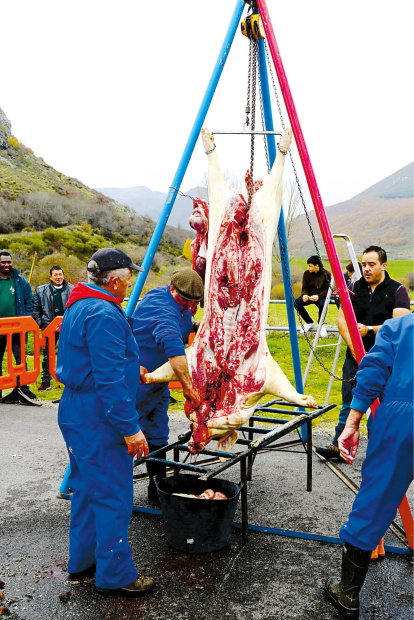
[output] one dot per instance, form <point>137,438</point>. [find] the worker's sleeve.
<point>106,342</point>
<point>167,333</point>
<point>37,308</point>
<point>305,290</point>
<point>28,297</point>
<point>323,293</point>
<point>402,299</point>
<point>374,371</point>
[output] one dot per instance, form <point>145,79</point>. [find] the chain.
<point>253,73</point>
<point>281,244</point>
<point>249,69</point>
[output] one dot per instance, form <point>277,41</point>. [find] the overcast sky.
<point>107,92</point>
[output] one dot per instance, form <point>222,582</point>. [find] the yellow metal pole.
<point>31,270</point>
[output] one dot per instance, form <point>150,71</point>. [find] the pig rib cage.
<point>246,458</point>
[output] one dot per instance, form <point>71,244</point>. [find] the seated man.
<point>315,286</point>
<point>162,323</point>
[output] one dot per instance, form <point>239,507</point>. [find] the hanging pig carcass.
<point>229,361</point>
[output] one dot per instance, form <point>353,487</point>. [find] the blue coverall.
<point>99,364</point>
<point>388,467</point>
<point>161,327</point>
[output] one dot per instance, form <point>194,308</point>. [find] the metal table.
<point>266,438</point>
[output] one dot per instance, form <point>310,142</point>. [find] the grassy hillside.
<point>64,221</point>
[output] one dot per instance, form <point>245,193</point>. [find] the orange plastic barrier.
<point>20,325</point>
<point>176,385</point>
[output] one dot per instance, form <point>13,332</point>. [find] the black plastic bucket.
<point>197,525</point>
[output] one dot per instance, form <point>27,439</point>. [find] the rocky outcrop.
<point>5,130</point>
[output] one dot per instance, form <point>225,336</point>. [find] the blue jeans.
<point>349,370</point>
<point>300,305</point>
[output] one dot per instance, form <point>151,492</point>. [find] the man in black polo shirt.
<point>375,299</point>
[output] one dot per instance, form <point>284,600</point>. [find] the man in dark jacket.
<point>16,299</point>
<point>387,472</point>
<point>376,298</point>
<point>50,301</point>
<point>315,286</point>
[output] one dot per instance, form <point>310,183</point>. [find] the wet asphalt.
<point>270,577</point>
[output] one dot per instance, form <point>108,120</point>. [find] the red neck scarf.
<point>82,291</point>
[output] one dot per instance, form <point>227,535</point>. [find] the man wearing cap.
<point>162,324</point>
<point>98,363</point>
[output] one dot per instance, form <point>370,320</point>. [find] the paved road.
<point>270,577</point>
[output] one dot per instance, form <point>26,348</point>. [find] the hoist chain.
<point>281,244</point>
<point>251,99</point>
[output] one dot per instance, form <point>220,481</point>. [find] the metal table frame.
<point>247,457</point>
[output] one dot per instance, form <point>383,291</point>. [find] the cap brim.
<point>137,267</point>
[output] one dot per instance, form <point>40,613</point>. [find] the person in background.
<point>16,299</point>
<point>49,302</point>
<point>350,275</point>
<point>315,286</point>
<point>162,323</point>
<point>98,363</point>
<point>387,472</point>
<point>375,299</point>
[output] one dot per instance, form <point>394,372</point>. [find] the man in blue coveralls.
<point>98,363</point>
<point>388,467</point>
<point>162,324</point>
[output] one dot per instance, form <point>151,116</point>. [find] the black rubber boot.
<point>332,451</point>
<point>155,469</point>
<point>344,594</point>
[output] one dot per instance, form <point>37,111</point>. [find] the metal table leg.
<point>309,457</point>
<point>243,476</point>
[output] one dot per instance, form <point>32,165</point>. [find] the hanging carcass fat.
<point>229,360</point>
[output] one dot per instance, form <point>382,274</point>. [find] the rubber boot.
<point>332,451</point>
<point>344,594</point>
<point>155,469</point>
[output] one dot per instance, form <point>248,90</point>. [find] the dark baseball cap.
<point>111,258</point>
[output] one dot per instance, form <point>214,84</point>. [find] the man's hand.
<point>305,298</point>
<point>314,298</point>
<point>190,394</point>
<point>180,367</point>
<point>142,372</point>
<point>363,329</point>
<point>137,445</point>
<point>349,440</point>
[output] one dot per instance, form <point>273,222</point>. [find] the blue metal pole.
<point>271,143</point>
<point>188,151</point>
<point>64,487</point>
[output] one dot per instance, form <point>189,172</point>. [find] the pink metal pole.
<point>313,186</point>
<point>324,225</point>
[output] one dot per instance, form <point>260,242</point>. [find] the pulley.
<point>252,27</point>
